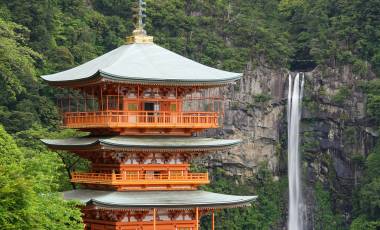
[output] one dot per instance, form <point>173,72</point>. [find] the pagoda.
<point>143,107</point>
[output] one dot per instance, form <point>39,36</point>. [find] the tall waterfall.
<point>295,221</point>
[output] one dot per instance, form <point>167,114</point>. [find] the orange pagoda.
<point>143,106</point>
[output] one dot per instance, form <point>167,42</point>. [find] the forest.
<point>40,37</point>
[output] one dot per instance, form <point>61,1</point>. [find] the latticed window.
<point>132,107</point>
<point>173,107</point>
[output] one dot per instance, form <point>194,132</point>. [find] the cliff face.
<point>335,131</point>
<point>254,112</point>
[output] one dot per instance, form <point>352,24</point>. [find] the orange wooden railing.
<point>139,178</point>
<point>138,119</point>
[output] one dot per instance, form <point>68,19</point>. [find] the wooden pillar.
<point>138,99</point>
<point>154,218</point>
<point>118,97</point>
<point>176,101</point>
<point>85,100</point>
<point>197,218</point>
<point>93,99</point>
<point>213,220</point>
<point>107,102</point>
<point>113,176</point>
<point>124,175</point>
<point>101,96</point>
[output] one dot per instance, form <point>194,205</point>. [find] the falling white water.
<point>294,171</point>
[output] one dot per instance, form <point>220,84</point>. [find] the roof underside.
<point>140,142</point>
<point>143,64</point>
<point>157,199</point>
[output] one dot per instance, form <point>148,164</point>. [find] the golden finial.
<point>139,34</point>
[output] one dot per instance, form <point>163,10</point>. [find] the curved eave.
<point>221,205</point>
<point>91,80</point>
<point>67,144</point>
<point>100,77</point>
<point>106,144</point>
<point>147,64</point>
<point>157,199</point>
<point>132,144</point>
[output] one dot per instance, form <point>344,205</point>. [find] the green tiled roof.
<point>146,64</point>
<point>141,142</point>
<point>157,199</point>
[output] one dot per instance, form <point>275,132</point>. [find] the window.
<point>132,107</point>
<point>149,106</point>
<point>173,107</point>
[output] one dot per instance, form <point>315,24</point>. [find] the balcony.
<point>139,180</point>
<point>141,119</point>
<point>118,112</point>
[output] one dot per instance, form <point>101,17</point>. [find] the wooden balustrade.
<point>137,178</point>
<point>140,119</point>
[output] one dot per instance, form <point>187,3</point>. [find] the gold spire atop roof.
<point>139,34</point>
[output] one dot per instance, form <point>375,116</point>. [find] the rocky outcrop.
<point>334,133</point>
<point>335,130</point>
<point>254,113</point>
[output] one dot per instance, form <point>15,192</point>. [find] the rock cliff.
<point>335,131</point>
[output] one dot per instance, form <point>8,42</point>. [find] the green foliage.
<point>261,98</point>
<point>367,199</point>
<point>334,33</point>
<point>265,212</point>
<point>373,105</point>
<point>324,215</point>
<point>370,198</point>
<point>71,162</point>
<point>372,89</point>
<point>27,190</point>
<point>361,223</point>
<point>342,95</point>
<point>20,104</point>
<point>372,164</point>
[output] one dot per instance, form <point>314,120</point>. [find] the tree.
<point>27,190</point>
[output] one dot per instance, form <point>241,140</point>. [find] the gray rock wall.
<point>335,129</point>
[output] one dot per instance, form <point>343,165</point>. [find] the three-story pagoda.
<point>142,105</point>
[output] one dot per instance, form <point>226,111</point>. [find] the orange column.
<point>138,99</point>
<point>118,98</point>
<point>107,102</point>
<point>69,104</point>
<point>213,220</point>
<point>101,97</point>
<point>197,218</point>
<point>154,218</point>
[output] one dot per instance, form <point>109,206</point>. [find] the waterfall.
<point>295,221</point>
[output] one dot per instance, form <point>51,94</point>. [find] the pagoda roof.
<point>131,143</point>
<point>157,199</point>
<point>141,63</point>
